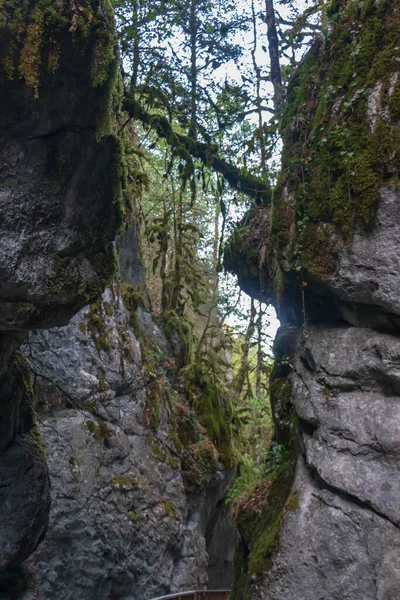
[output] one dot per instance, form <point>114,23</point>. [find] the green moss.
<point>103,385</point>
<point>102,344</point>
<point>293,502</point>
<point>99,430</point>
<point>260,515</point>
<point>96,413</point>
<point>394,103</point>
<point>152,407</point>
<point>82,327</point>
<point>210,400</point>
<point>162,453</point>
<point>108,309</point>
<point>133,298</point>
<point>124,482</point>
<point>334,164</point>
<point>180,326</point>
<point>134,517</point>
<point>317,254</point>
<point>199,462</point>
<point>96,326</point>
<point>170,509</point>
<point>36,441</point>
<point>105,48</point>
<point>176,442</point>
<point>173,461</point>
<point>39,30</point>
<point>25,311</point>
<point>264,530</point>
<point>157,450</point>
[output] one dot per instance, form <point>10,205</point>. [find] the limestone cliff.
<point>59,213</point>
<point>137,484</point>
<point>327,255</point>
<point>137,490</point>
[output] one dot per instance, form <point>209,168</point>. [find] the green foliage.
<point>252,421</point>
<point>205,386</point>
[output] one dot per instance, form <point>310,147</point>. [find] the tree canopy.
<point>204,90</point>
<point>209,78</point>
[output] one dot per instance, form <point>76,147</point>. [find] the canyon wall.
<point>59,212</point>
<point>136,488</point>
<point>91,405</point>
<point>327,254</point>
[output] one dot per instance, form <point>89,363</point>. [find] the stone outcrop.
<point>58,216</point>
<point>124,524</point>
<point>329,524</point>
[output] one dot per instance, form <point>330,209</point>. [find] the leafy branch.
<point>188,148</point>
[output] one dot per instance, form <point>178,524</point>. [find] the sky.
<point>271,321</point>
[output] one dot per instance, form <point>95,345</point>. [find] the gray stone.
<point>122,525</point>
<point>24,500</point>
<point>57,186</point>
<point>332,549</point>
<point>118,521</point>
<point>58,216</point>
<point>345,389</point>
<point>368,271</point>
<point>69,354</point>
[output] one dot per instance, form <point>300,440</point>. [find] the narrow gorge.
<point>148,443</point>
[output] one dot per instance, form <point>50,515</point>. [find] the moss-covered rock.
<point>36,31</point>
<point>247,251</point>
<point>340,131</point>
<point>61,175</point>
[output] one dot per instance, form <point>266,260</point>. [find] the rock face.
<point>123,524</point>
<point>332,547</point>
<point>24,500</point>
<point>59,208</point>
<point>333,532</point>
<point>58,215</point>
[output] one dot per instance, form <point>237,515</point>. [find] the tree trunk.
<point>273,44</point>
<point>193,69</point>
<point>242,374</point>
<point>259,351</point>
